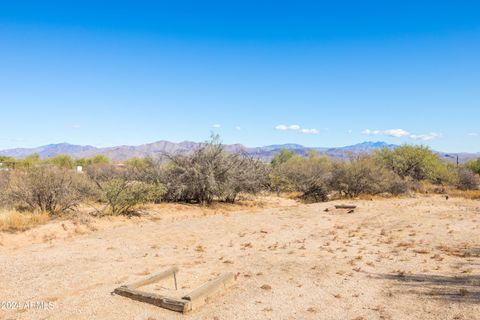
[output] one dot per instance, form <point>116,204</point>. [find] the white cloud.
<point>473,134</point>
<point>309,131</point>
<point>216,126</point>
<point>238,128</point>
<point>283,127</point>
<point>425,137</point>
<point>400,133</point>
<point>296,127</point>
<point>369,132</point>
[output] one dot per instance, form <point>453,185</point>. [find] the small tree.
<point>416,162</point>
<point>282,156</point>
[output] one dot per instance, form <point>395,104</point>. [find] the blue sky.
<point>319,73</point>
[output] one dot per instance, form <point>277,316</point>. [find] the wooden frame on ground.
<point>189,302</point>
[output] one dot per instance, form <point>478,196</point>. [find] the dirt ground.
<point>415,258</point>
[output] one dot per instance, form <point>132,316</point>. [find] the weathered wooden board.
<point>188,303</point>
<point>201,295</point>
<point>343,206</point>
<point>179,305</point>
<point>154,278</point>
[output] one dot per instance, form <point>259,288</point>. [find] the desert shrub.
<point>474,165</point>
<point>7,163</point>
<point>197,177</point>
<point>416,162</point>
<point>104,172</point>
<point>122,195</point>
<point>148,170</point>
<point>144,169</point>
<point>364,175</point>
<point>47,189</point>
<point>246,175</point>
<point>309,176</point>
<point>210,173</point>
<point>281,157</point>
<point>98,159</point>
<point>4,177</point>
<point>29,162</point>
<point>62,161</point>
<point>467,179</point>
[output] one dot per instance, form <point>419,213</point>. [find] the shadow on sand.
<point>461,289</point>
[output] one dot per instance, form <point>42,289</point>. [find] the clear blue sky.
<point>319,73</point>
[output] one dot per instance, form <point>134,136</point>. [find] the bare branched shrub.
<point>467,180</point>
<point>211,173</point>
<point>47,189</point>
<point>364,175</point>
<point>310,176</point>
<point>150,170</point>
<point>246,175</point>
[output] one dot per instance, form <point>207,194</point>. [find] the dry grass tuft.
<point>468,194</point>
<point>11,220</point>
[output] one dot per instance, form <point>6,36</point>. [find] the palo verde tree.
<point>415,162</point>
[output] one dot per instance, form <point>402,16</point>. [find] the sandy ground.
<point>414,258</point>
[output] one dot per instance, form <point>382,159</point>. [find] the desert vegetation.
<point>209,174</point>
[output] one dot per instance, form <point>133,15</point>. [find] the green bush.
<point>365,175</point>
<point>62,161</point>
<point>474,165</point>
<point>417,163</point>
<point>122,195</point>
<point>309,176</point>
<point>96,160</point>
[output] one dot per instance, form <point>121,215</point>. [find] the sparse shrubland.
<point>210,174</point>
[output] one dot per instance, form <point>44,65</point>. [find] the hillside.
<point>121,153</point>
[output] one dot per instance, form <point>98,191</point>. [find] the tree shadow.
<point>461,289</point>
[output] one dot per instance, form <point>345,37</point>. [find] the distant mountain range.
<point>121,153</point>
